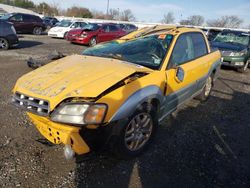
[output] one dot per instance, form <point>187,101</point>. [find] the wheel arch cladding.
<point>151,94</point>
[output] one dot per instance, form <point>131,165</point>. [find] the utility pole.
<point>107,8</point>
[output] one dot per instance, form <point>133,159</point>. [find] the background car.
<point>62,28</point>
<point>128,27</point>
<point>25,23</point>
<point>95,33</point>
<point>50,21</point>
<point>234,47</point>
<point>8,37</point>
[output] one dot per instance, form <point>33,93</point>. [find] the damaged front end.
<point>69,118</point>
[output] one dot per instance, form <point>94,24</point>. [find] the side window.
<point>28,18</point>
<point>17,18</point>
<point>82,24</point>
<point>113,28</point>
<point>183,50</point>
<point>106,28</point>
<point>200,45</point>
<point>75,25</point>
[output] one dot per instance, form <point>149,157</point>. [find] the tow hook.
<point>68,152</point>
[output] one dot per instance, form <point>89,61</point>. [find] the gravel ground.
<point>200,145</point>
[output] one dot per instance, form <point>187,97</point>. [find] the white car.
<point>63,27</point>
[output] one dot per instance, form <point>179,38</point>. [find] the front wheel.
<point>4,44</point>
<point>37,31</point>
<point>203,96</point>
<point>93,41</point>
<point>65,35</point>
<point>136,134</point>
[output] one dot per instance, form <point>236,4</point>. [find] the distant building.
<point>11,9</point>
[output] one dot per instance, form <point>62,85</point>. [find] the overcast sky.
<point>153,10</point>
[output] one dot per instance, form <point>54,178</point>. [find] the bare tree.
<point>185,22</point>
<point>98,14</point>
<point>226,21</point>
<point>78,12</point>
<point>114,14</point>
<point>127,15</point>
<point>168,18</point>
<point>196,20</point>
<point>47,9</point>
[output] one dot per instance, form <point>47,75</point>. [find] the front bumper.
<point>233,61</point>
<point>56,34</point>
<point>78,40</point>
<point>60,134</point>
<point>82,140</point>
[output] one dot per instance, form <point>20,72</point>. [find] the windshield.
<point>6,16</point>
<point>231,37</point>
<point>64,23</point>
<point>147,51</point>
<point>92,27</point>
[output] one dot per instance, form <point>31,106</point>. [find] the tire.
<point>4,44</point>
<point>37,30</point>
<point>92,41</point>
<point>203,96</point>
<point>136,133</point>
<point>65,35</point>
<point>244,68</point>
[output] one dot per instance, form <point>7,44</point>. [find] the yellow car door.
<point>187,65</point>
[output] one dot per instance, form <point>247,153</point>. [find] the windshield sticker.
<point>161,36</point>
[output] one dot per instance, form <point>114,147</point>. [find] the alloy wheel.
<point>138,131</point>
<point>4,43</point>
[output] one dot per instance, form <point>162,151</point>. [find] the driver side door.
<point>183,71</point>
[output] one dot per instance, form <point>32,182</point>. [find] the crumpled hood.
<point>75,76</point>
<point>75,31</point>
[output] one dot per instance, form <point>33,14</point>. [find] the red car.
<point>92,34</point>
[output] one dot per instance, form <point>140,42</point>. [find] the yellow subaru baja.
<point>115,94</point>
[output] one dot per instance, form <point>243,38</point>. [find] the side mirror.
<point>180,74</point>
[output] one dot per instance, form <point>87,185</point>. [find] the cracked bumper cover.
<point>60,134</point>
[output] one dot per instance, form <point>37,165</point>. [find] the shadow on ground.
<point>193,148</point>
<point>28,44</point>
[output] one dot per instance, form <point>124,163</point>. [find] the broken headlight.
<point>80,113</point>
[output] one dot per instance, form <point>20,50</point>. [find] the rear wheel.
<point>4,44</point>
<point>244,68</point>
<point>93,41</point>
<point>203,96</point>
<point>136,133</point>
<point>37,31</point>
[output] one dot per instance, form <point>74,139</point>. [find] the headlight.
<point>80,113</point>
<point>83,35</point>
<point>241,53</point>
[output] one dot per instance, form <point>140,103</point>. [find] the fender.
<point>136,99</point>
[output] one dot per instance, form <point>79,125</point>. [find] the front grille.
<point>34,105</point>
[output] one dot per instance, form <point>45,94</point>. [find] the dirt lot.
<point>200,145</point>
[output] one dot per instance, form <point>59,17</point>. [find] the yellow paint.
<point>58,133</point>
<point>71,77</point>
